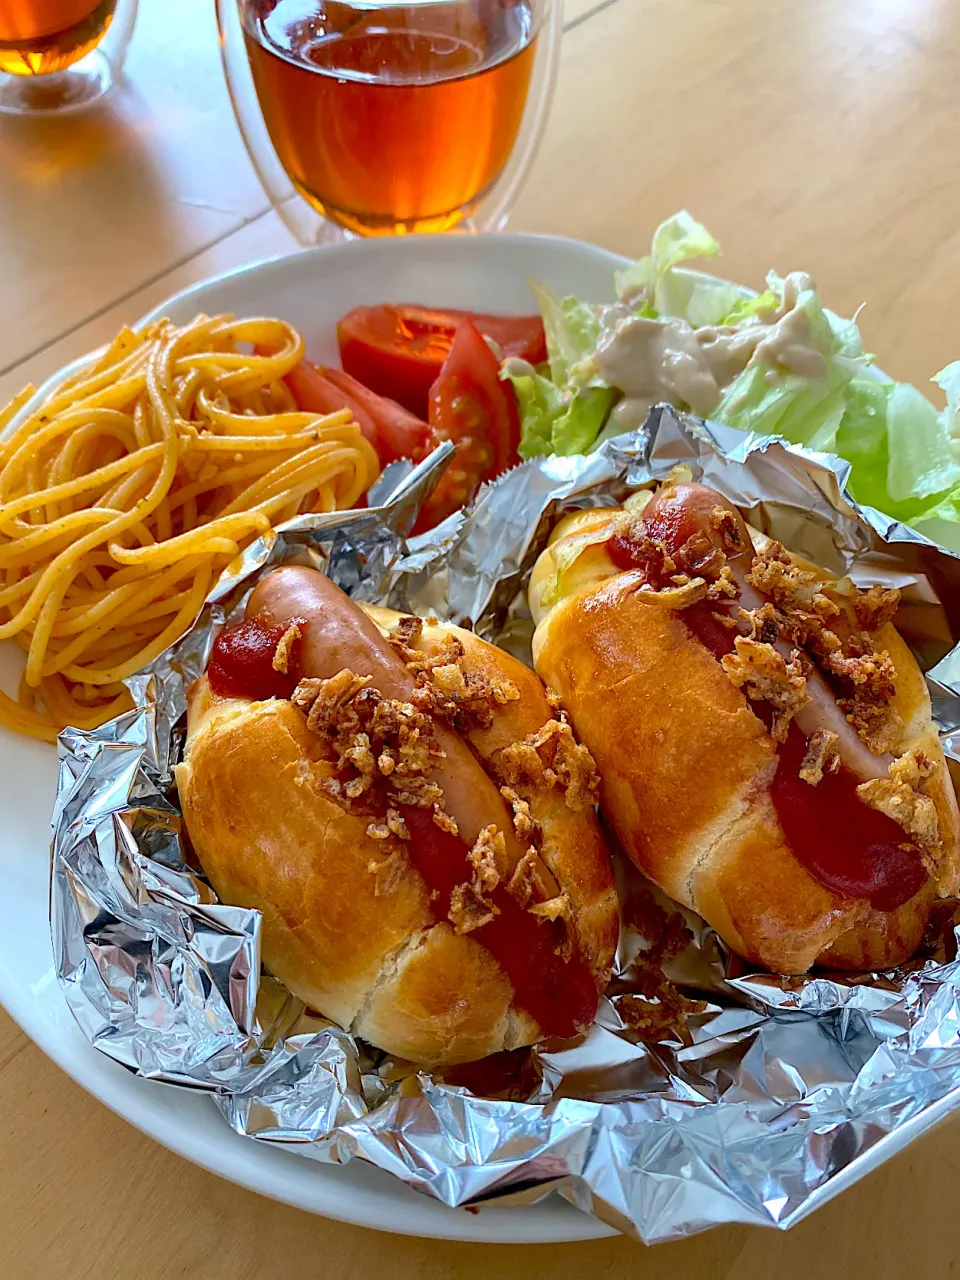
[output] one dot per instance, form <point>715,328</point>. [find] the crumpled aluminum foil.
<point>772,1096</point>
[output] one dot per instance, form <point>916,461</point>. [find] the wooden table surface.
<point>806,133</point>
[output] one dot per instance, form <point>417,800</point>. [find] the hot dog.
<point>338,635</point>
<point>679,512</point>
<point>384,792</point>
<point>762,733</point>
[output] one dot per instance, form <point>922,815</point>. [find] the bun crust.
<point>685,769</point>
<point>368,951</point>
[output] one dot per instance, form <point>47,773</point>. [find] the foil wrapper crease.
<point>774,1095</point>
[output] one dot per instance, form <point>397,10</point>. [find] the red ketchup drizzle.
<point>241,663</point>
<point>560,994</point>
<point>849,848</point>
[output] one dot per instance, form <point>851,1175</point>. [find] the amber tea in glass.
<point>393,117</point>
<point>40,37</point>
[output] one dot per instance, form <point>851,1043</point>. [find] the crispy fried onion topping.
<point>445,821</point>
<point>822,756</point>
<point>557,908</point>
<point>471,905</point>
<point>876,607</point>
<point>388,871</point>
<point>764,675</point>
<point>281,655</point>
<point>697,571</point>
<point>321,701</point>
<point>774,574</point>
<point>392,825</point>
<point>800,610</point>
<point>524,823</point>
<point>766,624</point>
<point>525,883</point>
<point>724,587</point>
<point>903,798</point>
<point>385,748</point>
<point>701,557</point>
<point>872,683</point>
<point>548,758</point>
<point>374,738</point>
<point>528,885</point>
<point>728,526</point>
<point>446,687</point>
<point>685,592</point>
<point>656,1009</point>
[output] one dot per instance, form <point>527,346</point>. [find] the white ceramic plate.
<point>310,289</point>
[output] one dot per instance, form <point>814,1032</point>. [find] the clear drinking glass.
<point>394,117</point>
<point>57,55</point>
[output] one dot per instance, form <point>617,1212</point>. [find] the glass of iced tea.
<point>57,55</point>
<point>388,118</point>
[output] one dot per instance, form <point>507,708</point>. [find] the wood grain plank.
<point>263,237</point>
<point>577,11</point>
<point>95,204</point>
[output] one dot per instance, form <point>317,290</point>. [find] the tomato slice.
<point>472,407</point>
<point>392,431</point>
<point>398,351</point>
<point>316,394</point>
<point>399,433</point>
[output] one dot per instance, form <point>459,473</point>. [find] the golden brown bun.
<point>268,836</point>
<point>685,767</point>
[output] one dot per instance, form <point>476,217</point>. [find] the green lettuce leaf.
<point>573,330</point>
<point>747,308</point>
<point>577,428</point>
<point>768,400</point>
<point>862,439</point>
<point>553,421</point>
<point>804,411</point>
<point>890,470</point>
<point>847,336</point>
<point>540,403</point>
<point>939,518</point>
<point>656,288</point>
<point>921,459</point>
<point>651,280</point>
<point>948,380</point>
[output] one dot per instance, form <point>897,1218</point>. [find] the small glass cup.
<point>58,55</point>
<point>390,117</point>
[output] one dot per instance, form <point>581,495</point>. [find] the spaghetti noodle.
<point>139,478</point>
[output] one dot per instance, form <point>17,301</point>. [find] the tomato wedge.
<point>315,394</point>
<point>392,431</point>
<point>472,407</point>
<point>398,351</point>
<point>399,433</point>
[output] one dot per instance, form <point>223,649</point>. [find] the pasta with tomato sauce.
<point>130,488</point>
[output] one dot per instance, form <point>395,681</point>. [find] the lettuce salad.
<point>778,363</point>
